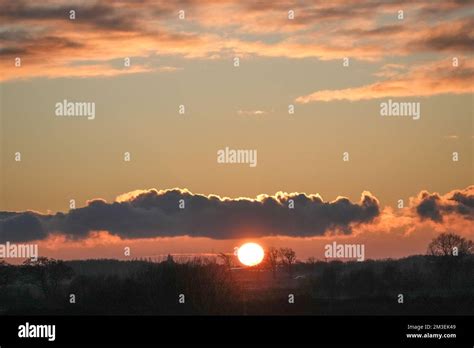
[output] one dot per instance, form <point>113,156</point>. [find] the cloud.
<point>149,222</point>
<point>252,112</point>
<point>49,42</point>
<point>152,213</point>
<point>420,81</point>
<point>456,36</point>
<point>98,16</point>
<point>434,207</point>
<point>143,214</point>
<point>83,71</point>
<point>21,227</point>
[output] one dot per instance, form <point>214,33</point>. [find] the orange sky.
<point>406,51</point>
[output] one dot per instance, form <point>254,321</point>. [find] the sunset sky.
<point>190,61</point>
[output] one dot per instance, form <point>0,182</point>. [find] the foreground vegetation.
<point>429,285</point>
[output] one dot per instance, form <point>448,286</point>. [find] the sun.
<point>250,254</point>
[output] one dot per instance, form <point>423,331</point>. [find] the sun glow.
<point>250,254</point>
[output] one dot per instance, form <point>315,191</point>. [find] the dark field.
<point>429,285</point>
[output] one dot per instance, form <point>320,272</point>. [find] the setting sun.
<point>250,254</point>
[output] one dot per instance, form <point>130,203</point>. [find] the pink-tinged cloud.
<point>394,233</point>
<point>49,43</point>
<point>143,214</point>
<point>436,78</point>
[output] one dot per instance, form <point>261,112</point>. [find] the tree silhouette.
<point>170,259</point>
<point>49,273</point>
<point>272,260</point>
<point>288,258</point>
<point>444,245</point>
<point>226,259</point>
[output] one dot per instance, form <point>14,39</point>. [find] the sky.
<point>333,62</point>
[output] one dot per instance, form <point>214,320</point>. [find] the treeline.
<point>413,276</point>
<point>129,287</point>
<point>443,284</point>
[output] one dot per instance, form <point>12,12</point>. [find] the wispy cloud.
<point>420,81</point>
<point>251,112</point>
<point>48,41</point>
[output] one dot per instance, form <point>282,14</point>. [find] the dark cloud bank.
<point>433,206</point>
<point>157,214</point>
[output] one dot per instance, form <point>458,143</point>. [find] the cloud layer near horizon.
<point>152,213</point>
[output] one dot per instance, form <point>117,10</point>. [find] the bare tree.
<point>49,273</point>
<point>272,260</point>
<point>170,259</point>
<point>312,262</point>
<point>444,245</point>
<point>226,259</point>
<point>288,257</point>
